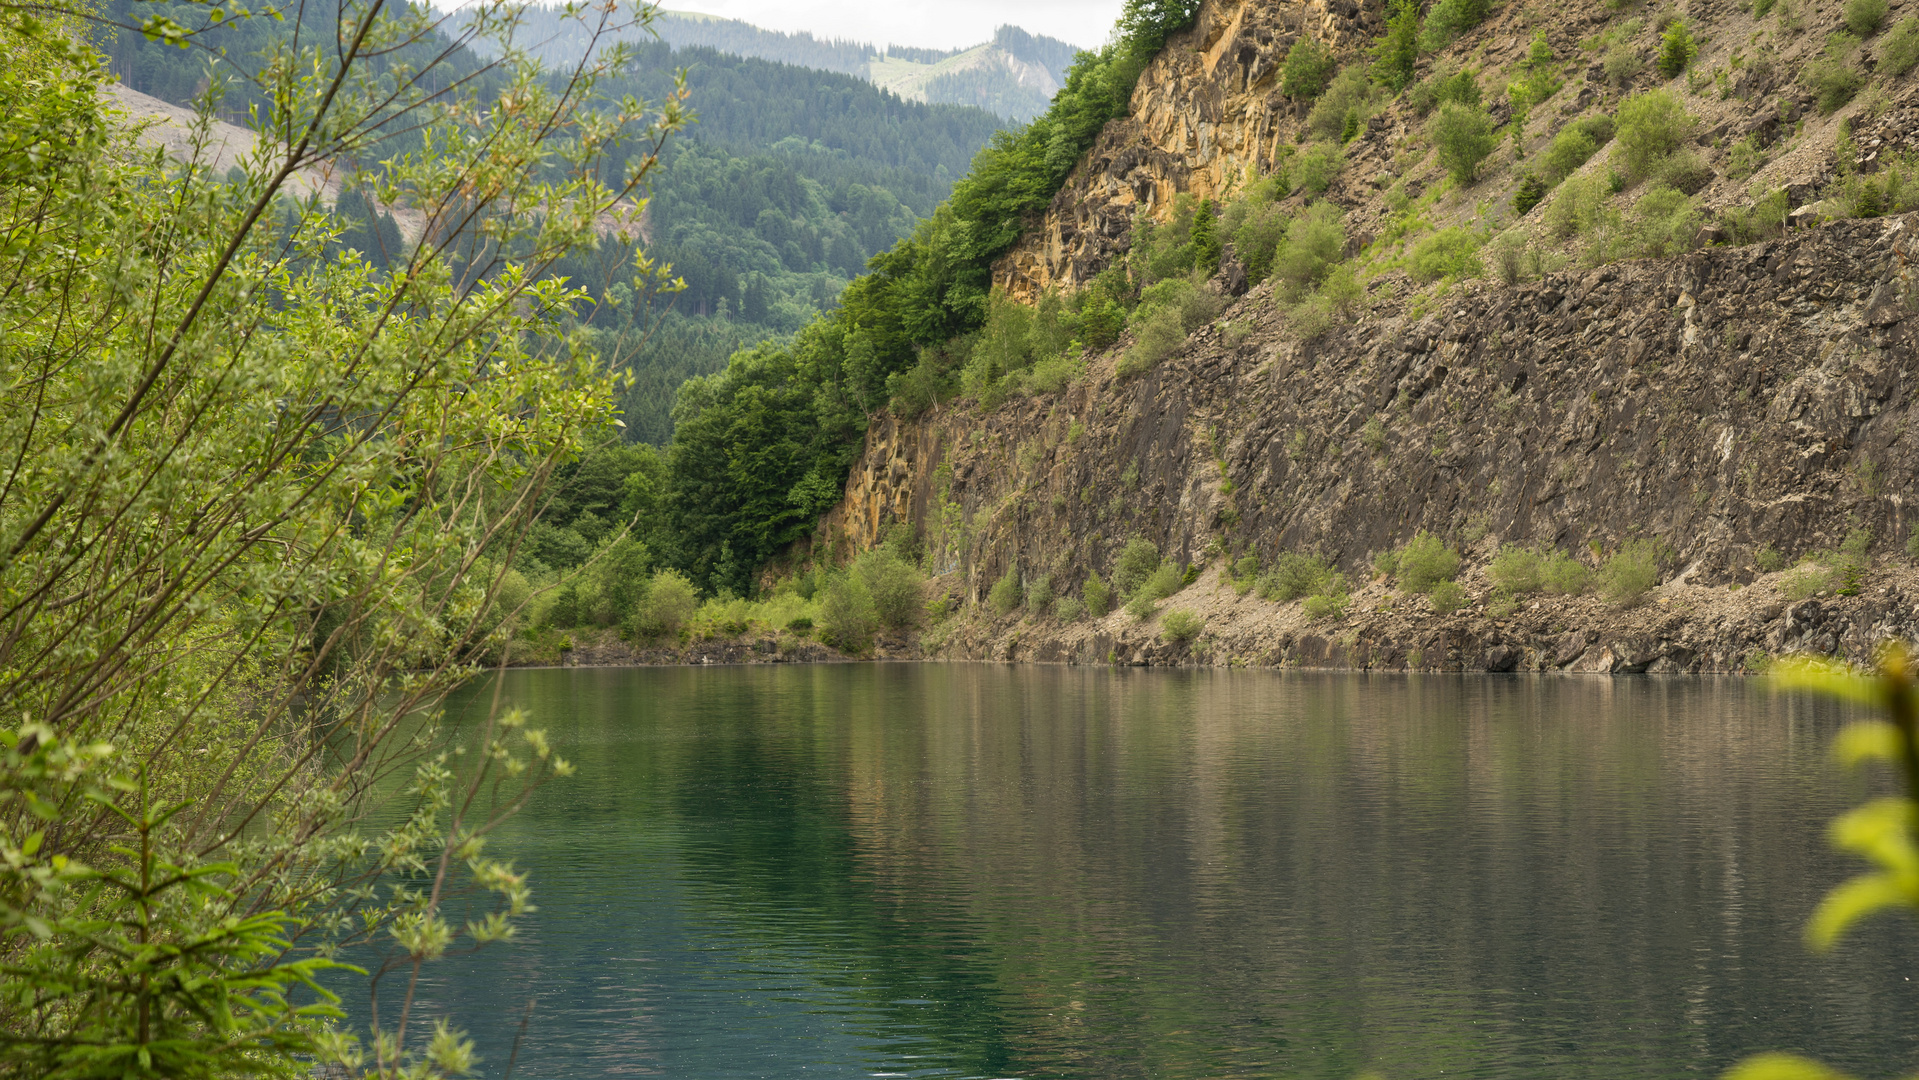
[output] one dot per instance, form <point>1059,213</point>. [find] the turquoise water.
<point>992,871</point>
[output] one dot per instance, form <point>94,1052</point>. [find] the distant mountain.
<point>1014,75</point>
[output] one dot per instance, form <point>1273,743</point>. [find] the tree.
<point>1465,138</point>
<point>1396,55</point>
<point>264,523</point>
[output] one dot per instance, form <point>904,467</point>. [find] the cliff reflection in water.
<point>974,870</point>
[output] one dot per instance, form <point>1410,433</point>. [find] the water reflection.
<point>970,870</point>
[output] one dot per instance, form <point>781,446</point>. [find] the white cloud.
<point>1085,23</point>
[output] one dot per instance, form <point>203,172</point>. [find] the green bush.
<point>1315,240</point>
<point>1245,574</point>
<point>1864,17</point>
<point>1039,595</point>
<point>668,605</point>
<point>1676,49</point>
<point>1346,104</point>
<point>1168,311</point>
<point>1257,226</point>
<point>1163,582</point>
<point>1530,193</point>
<point>1309,68</point>
<point>1154,341</point>
<point>1899,50</point>
<point>1666,221</point>
<point>1006,595</point>
<point>1068,609</point>
<point>848,619</point>
<point>1517,569</point>
<point>1622,64</point>
<point>1577,205</point>
<point>1651,127</point>
<point>1424,562</point>
<point>894,585</point>
<point>1805,580</point>
<point>1136,562</point>
<point>1446,84</point>
<point>1447,597</point>
<point>1626,577</point>
<point>1770,560</point>
<point>1295,575</point>
<point>1329,601</point>
<point>1575,144</point>
<point>1181,626</point>
<point>1834,78</point>
<point>1396,54</point>
<point>1097,596</point>
<point>1464,135</point>
<point>1313,171</point>
<point>1452,252</point>
<point>1450,18</point>
<point>1563,575</point>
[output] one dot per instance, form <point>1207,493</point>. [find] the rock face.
<point>1205,110</point>
<point>1720,402</point>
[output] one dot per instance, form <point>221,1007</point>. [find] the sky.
<point>926,23</point>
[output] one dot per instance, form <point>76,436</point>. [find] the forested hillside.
<point>788,183</point>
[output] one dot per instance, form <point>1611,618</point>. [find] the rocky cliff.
<point>1737,405</point>
<point>1729,400</point>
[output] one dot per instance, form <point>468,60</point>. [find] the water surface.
<point>987,871</point>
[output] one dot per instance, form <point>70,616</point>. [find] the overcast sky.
<point>941,25</point>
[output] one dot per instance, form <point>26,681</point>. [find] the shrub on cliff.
<point>1256,225</point>
<point>1464,135</point>
<point>1330,601</point>
<point>1039,595</point>
<point>1136,562</point>
<point>1516,568</point>
<point>1451,253</point>
<point>1651,127</point>
<point>1315,168</point>
<point>1097,596</point>
<point>1396,53</point>
<point>1864,17</point>
<point>1181,626</point>
<point>1309,68</point>
<point>1424,562</point>
<point>1068,609</point>
<point>1446,84</point>
<point>1450,18</point>
<point>1295,575</point>
<point>1345,106</point>
<point>1575,144</point>
<point>1447,597</point>
<point>1899,49</point>
<point>1168,311</point>
<point>1676,49</point>
<point>1632,571</point>
<point>1314,243</point>
<point>1006,595</point>
<point>1834,77</point>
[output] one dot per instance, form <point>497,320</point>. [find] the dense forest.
<point>790,180</point>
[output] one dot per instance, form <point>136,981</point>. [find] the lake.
<point>996,871</point>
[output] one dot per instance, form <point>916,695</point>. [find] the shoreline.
<point>1678,629</point>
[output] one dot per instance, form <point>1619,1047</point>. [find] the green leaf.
<point>1871,740</point>
<point>1828,678</point>
<point>1847,904</point>
<point>1782,1067</point>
